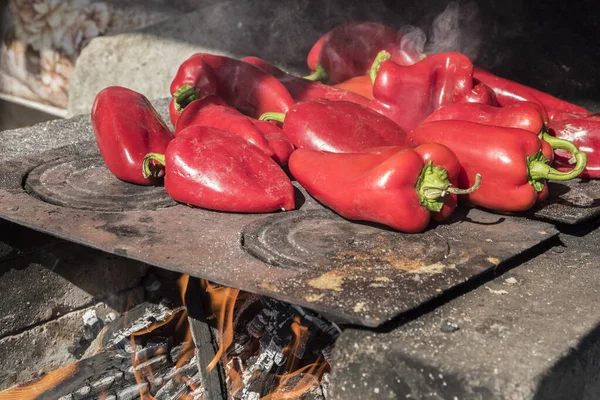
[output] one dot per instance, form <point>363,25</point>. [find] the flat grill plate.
<point>354,272</point>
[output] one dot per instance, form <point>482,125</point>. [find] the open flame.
<point>263,348</point>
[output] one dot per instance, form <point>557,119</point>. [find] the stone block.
<point>61,279</point>
<point>147,60</point>
<point>46,347</point>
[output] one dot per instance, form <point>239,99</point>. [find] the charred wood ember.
<point>206,344</point>
<point>220,344</point>
<point>125,368</point>
<point>273,343</point>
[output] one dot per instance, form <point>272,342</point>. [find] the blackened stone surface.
<point>61,279</point>
<point>532,333</point>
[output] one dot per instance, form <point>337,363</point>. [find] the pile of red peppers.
<point>377,132</point>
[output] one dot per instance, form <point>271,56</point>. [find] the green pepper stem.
<point>539,170</point>
<point>319,75</point>
<point>557,143</point>
<point>379,59</point>
<point>473,188</point>
<point>272,116</point>
<point>433,186</point>
<point>184,96</point>
<point>153,165</point>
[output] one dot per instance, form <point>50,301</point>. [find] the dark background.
<point>553,46</point>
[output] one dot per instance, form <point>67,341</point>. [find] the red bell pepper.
<point>243,86</point>
<point>210,168</point>
<point>481,93</point>
<point>196,80</point>
<point>349,49</point>
<point>400,188</point>
<point>337,126</point>
<point>173,113</point>
<point>212,111</point>
<point>584,132</point>
<point>312,60</point>
<point>359,84</point>
<point>305,90</point>
<point>509,92</point>
<point>513,169</point>
<point>127,127</point>
<point>408,94</point>
<point>281,145</point>
<point>524,115</point>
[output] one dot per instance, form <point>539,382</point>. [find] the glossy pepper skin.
<point>127,127</point>
<point>395,187</point>
<point>209,111</point>
<point>243,86</point>
<point>303,89</point>
<point>584,132</point>
<point>210,168</point>
<point>337,126</point>
<point>408,94</point>
<point>509,92</point>
<point>281,145</point>
<point>440,156</point>
<point>524,115</point>
<point>202,112</point>
<point>513,169</point>
<point>359,84</point>
<point>349,49</point>
<point>196,80</point>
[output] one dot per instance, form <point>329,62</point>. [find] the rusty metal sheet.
<point>353,272</point>
<point>570,202</point>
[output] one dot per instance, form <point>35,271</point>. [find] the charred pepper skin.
<point>349,49</point>
<point>305,90</point>
<point>513,169</point>
<point>127,127</point>
<point>337,126</point>
<point>408,94</point>
<point>243,86</point>
<point>509,92</point>
<point>217,170</point>
<point>395,187</point>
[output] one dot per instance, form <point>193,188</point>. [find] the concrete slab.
<point>531,333</point>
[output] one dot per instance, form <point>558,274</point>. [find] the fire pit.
<point>482,306</point>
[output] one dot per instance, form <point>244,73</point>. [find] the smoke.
<point>457,28</point>
<point>413,40</point>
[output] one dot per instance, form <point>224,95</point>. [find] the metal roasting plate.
<point>354,272</point>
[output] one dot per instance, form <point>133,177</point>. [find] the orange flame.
<point>312,376</point>
<point>223,303</point>
<point>44,384</point>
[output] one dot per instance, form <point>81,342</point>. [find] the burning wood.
<point>222,344</point>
